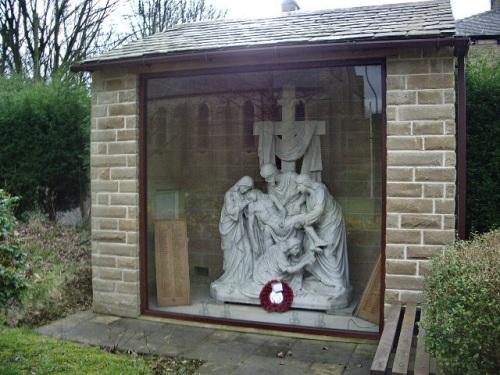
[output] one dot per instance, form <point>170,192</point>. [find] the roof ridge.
<point>304,13</point>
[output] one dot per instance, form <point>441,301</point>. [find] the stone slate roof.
<point>480,25</point>
<point>383,22</point>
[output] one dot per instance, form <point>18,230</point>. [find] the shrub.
<point>483,147</point>
<point>12,278</point>
<point>58,258</point>
<point>462,313</point>
<point>44,142</point>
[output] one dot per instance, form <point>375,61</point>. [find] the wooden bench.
<point>399,335</point>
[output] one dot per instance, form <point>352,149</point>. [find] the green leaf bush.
<point>12,275</point>
<point>483,144</point>
<point>462,306</point>
<point>45,142</point>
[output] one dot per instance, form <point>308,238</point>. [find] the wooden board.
<point>384,348</point>
<point>402,358</point>
<point>369,305</point>
<point>422,358</point>
<point>171,262</point>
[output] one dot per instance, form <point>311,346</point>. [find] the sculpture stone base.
<point>304,300</point>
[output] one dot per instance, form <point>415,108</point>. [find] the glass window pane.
<point>203,136</point>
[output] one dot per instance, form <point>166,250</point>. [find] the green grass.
<point>24,352</point>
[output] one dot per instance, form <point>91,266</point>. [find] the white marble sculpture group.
<point>294,232</point>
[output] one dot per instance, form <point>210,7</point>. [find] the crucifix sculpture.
<point>291,140</point>
<point>294,232</point>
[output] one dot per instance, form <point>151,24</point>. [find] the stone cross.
<point>288,102</point>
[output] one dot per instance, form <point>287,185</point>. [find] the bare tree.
<point>153,16</point>
<point>38,37</point>
<point>10,26</point>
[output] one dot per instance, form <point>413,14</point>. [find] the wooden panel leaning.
<point>384,349</point>
<point>172,268</point>
<point>369,305</point>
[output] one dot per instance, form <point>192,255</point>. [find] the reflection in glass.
<point>200,141</point>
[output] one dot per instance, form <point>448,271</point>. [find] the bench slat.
<point>379,364</point>
<point>422,358</point>
<point>402,358</point>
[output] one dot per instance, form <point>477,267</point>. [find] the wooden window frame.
<point>144,297</point>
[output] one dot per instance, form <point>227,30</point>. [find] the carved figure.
<point>324,215</point>
<point>283,187</point>
<point>235,243</point>
<point>266,216</point>
<point>280,262</point>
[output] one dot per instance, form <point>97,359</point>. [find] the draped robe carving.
<point>263,224</point>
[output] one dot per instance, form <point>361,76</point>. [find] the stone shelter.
<point>358,114</point>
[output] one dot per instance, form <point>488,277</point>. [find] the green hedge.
<point>44,142</point>
<point>462,309</point>
<point>483,145</point>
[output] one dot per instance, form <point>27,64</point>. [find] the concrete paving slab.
<point>138,342</point>
<point>183,340</point>
<point>356,371</point>
<point>259,339</point>
<point>215,349</point>
<point>219,354</point>
<point>58,328</point>
<point>325,352</point>
<point>217,368</point>
<point>257,365</point>
<point>105,319</point>
<point>225,352</point>
<point>138,325</point>
<point>266,346</point>
<point>362,357</point>
<point>97,334</point>
<point>319,368</point>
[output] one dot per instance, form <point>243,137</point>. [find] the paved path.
<point>225,352</point>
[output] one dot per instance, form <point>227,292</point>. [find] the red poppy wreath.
<point>276,296</point>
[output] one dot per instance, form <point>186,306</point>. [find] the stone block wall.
<point>115,193</point>
<point>420,166</point>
